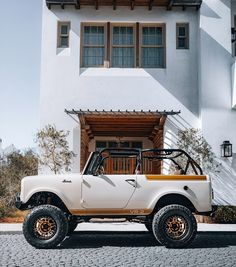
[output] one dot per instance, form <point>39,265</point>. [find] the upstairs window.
<point>123,46</point>
<point>153,46</point>
<point>93,45</point>
<point>63,34</point>
<point>182,36</point>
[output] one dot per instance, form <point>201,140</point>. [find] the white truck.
<point>119,183</point>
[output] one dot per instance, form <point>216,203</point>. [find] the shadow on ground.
<point>142,239</point>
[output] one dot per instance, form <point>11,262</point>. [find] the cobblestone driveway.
<point>119,249</point>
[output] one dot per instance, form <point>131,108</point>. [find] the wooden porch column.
<point>158,139</point>
<point>84,152</point>
<point>158,142</point>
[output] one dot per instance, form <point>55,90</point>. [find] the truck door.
<point>109,191</point>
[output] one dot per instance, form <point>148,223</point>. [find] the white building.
<point>165,55</point>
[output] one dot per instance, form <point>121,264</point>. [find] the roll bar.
<point>157,154</point>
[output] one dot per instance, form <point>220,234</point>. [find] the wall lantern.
<point>233,35</point>
<point>226,149</point>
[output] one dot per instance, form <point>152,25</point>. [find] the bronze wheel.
<point>174,226</point>
<point>45,227</point>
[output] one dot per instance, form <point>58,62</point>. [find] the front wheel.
<point>174,226</point>
<point>45,227</point>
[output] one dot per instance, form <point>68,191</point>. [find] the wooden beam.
<point>89,131</point>
<point>162,120</point>
<point>154,132</point>
<point>84,142</point>
<point>170,4</point>
<point>82,120</point>
<point>124,125</point>
<point>114,4</point>
<point>108,44</point>
<point>137,44</point>
<point>118,123</point>
<point>150,4</point>
<point>121,118</point>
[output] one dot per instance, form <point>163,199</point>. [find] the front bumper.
<point>19,204</point>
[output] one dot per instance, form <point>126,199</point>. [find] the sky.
<point>20,44</point>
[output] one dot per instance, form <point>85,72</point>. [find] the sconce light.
<point>233,35</point>
<point>226,149</point>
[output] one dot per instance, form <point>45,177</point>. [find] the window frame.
<point>186,25</point>
<point>128,24</point>
<point>60,35</point>
<point>82,25</point>
<point>234,44</point>
<point>131,142</point>
<point>143,25</point>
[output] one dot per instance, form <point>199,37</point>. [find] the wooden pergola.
<point>168,4</point>
<point>119,123</point>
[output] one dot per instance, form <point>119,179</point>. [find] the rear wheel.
<point>45,227</point>
<point>174,226</point>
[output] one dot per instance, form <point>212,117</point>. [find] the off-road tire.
<point>160,227</point>
<point>71,227</point>
<point>59,219</point>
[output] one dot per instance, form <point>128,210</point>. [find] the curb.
<point>84,232</point>
<point>124,227</point>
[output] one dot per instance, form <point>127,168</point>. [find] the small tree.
<point>193,142</point>
<point>54,149</point>
<point>18,166</point>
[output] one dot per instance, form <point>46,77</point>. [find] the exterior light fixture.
<point>226,149</point>
<point>233,35</point>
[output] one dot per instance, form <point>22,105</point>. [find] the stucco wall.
<point>197,81</point>
<point>215,84</point>
<point>65,85</point>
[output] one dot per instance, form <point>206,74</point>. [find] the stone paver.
<point>120,249</point>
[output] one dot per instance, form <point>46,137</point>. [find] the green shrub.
<point>192,141</point>
<point>19,165</point>
<point>225,214</point>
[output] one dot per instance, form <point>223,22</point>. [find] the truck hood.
<point>50,182</point>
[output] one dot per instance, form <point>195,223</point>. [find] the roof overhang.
<point>168,4</point>
<point>122,123</point>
